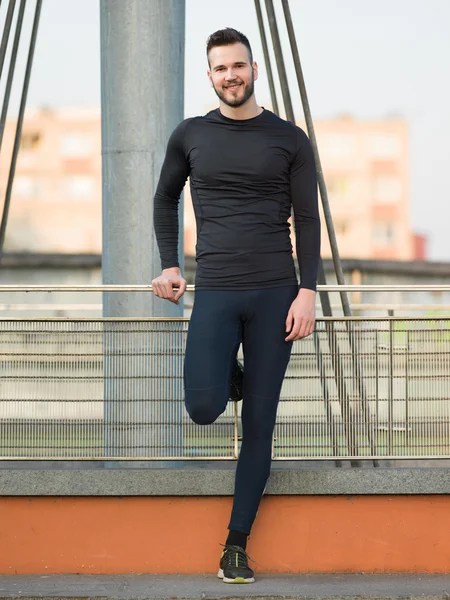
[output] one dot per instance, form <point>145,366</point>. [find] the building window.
<point>341,227</point>
<point>77,145</point>
<point>337,186</point>
<point>387,189</point>
<point>80,187</point>
<point>339,145</point>
<point>26,187</point>
<point>383,233</point>
<point>30,140</point>
<point>384,145</point>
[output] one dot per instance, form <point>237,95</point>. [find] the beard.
<point>238,98</point>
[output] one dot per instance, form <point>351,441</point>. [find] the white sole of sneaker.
<point>236,580</point>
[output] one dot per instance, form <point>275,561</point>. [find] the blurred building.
<point>366,169</point>
<point>56,199</point>
<point>56,202</point>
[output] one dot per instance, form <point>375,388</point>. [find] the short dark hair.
<point>226,37</point>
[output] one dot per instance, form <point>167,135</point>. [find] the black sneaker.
<point>234,566</point>
<point>237,382</point>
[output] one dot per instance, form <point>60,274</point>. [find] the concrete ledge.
<point>219,481</point>
<point>156,587</point>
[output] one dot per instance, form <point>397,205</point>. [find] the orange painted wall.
<point>293,534</point>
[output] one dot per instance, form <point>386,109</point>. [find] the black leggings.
<point>220,321</point>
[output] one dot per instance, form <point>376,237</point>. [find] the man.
<point>247,168</point>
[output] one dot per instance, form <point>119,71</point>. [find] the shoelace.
<point>236,556</point>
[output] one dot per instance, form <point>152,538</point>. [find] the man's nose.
<point>230,74</point>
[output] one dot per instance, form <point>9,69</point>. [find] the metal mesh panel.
<point>113,389</point>
<point>360,388</point>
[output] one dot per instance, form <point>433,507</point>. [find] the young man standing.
<point>247,168</point>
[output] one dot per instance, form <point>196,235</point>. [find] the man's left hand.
<point>301,316</point>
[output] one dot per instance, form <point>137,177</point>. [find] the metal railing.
<point>112,389</point>
<point>191,288</point>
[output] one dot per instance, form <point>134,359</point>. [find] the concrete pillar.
<point>142,71</point>
<point>142,76</point>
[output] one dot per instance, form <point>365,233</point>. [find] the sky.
<point>360,57</point>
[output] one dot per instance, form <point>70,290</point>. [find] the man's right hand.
<point>164,284</point>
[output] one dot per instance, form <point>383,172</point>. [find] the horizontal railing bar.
<point>216,458</point>
<point>48,307</point>
<point>358,306</point>
<point>364,306</point>
<point>191,288</point>
<point>123,458</point>
<point>319,319</point>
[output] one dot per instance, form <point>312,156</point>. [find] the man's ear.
<point>255,70</point>
<point>208,73</point>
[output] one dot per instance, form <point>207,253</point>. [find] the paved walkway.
<point>158,587</point>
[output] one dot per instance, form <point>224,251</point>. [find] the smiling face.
<point>231,73</point>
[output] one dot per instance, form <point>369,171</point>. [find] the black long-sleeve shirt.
<point>244,176</point>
